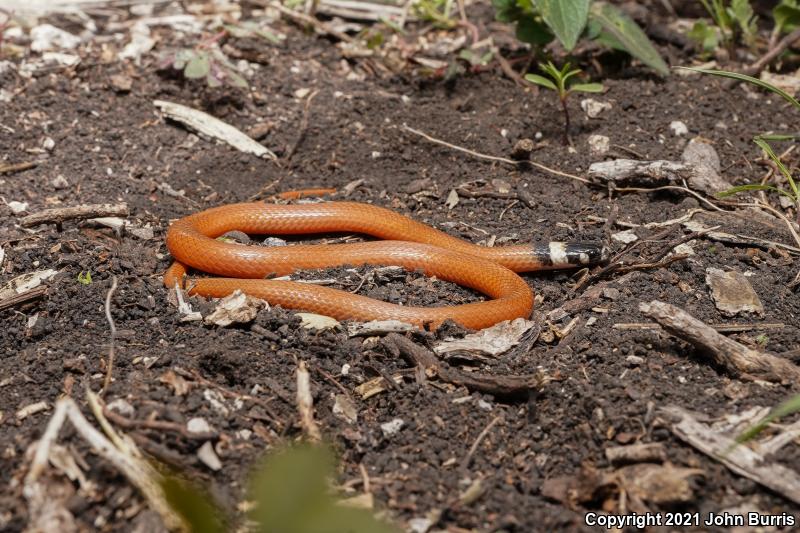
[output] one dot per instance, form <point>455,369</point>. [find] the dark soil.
<point>113,146</point>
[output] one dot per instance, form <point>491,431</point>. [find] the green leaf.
<point>764,145</point>
<point>292,496</point>
<point>198,66</point>
<point>531,31</point>
<point>751,187</point>
<point>743,77</point>
<point>541,80</point>
<point>587,87</point>
<point>704,35</point>
<point>742,13</point>
<point>790,406</point>
<point>629,35</point>
<point>195,507</point>
<point>787,16</point>
<point>567,18</point>
<point>505,10</point>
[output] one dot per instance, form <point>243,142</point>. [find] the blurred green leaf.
<point>751,187</point>
<point>198,66</point>
<point>531,31</point>
<point>629,35</point>
<point>195,507</point>
<point>790,406</point>
<point>566,18</point>
<point>291,494</point>
<point>705,35</point>
<point>787,15</point>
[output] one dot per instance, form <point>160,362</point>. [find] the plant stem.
<point>566,119</point>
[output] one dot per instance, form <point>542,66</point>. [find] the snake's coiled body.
<point>406,243</point>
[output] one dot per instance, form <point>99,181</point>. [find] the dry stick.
<point>649,266</point>
<point>305,403</point>
<point>774,52</point>
<point>494,158</point>
<point>80,212</point>
<point>507,69</point>
<point>722,328</point>
<point>482,435</point>
<point>303,126</point>
<point>743,460</point>
<point>17,167</point>
<point>670,187</point>
<point>398,345</point>
<point>738,359</point>
<point>158,425</point>
<point>21,298</point>
<point>138,472</point>
<point>113,342</point>
<point>302,18</point>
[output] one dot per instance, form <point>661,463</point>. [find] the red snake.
<point>192,241</point>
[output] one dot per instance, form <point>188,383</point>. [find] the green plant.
<point>788,407</point>
<point>733,19</point>
<point>763,141</point>
<point>437,12</point>
<point>562,83</point>
<point>787,16</point>
<point>85,278</point>
<point>538,22</point>
<point>289,493</point>
<point>704,35</point>
<point>207,61</point>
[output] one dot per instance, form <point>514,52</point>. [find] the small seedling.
<point>207,61</point>
<point>437,12</point>
<point>762,340</point>
<point>560,82</point>
<point>734,18</point>
<point>85,278</point>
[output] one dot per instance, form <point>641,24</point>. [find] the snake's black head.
<point>585,253</point>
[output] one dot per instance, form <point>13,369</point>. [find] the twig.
<point>722,328</point>
<point>138,472</point>
<point>17,167</point>
<point>670,187</point>
<point>773,52</point>
<point>507,69</point>
<point>112,346</point>
<point>649,266</point>
<point>158,425</point>
<point>303,127</point>
<point>741,459</point>
<point>506,386</point>
<point>482,435</point>
<point>305,403</point>
<point>738,359</point>
<point>492,157</point>
<point>59,215</point>
<point>26,296</point>
<point>302,18</point>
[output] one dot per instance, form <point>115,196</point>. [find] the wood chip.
<point>213,127</point>
<point>732,292</point>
